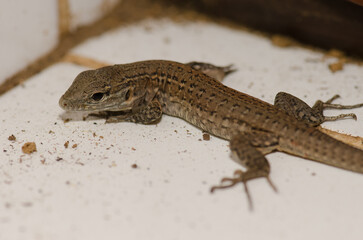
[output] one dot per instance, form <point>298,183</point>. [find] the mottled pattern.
<point>255,128</point>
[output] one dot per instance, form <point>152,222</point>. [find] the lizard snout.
<point>63,103</point>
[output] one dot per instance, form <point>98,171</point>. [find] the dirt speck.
<point>12,137</point>
<point>166,40</point>
<point>282,41</point>
<point>27,204</point>
<point>113,164</point>
<point>134,165</point>
<point>206,137</point>
<point>335,53</point>
<point>133,149</point>
<point>29,147</point>
<point>338,66</point>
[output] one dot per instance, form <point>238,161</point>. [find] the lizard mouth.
<point>81,106</point>
<point>118,113</point>
<point>108,114</point>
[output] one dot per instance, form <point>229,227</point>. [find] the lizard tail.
<point>325,149</point>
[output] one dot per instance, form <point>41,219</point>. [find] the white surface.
<point>94,193</point>
<point>87,11</point>
<point>29,29</point>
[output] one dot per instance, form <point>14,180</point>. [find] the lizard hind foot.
<point>328,105</point>
<point>313,116</point>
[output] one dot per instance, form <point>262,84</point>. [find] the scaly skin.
<point>254,127</point>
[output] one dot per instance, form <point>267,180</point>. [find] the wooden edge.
<point>354,141</point>
<point>64,18</point>
<point>84,61</point>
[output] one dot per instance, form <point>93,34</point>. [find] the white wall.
<point>29,29</point>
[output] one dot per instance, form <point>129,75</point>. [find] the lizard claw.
<point>229,69</point>
<point>239,177</point>
<point>328,104</point>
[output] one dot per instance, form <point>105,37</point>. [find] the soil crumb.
<point>12,137</point>
<point>338,66</point>
<point>206,137</point>
<point>335,53</point>
<point>29,147</point>
<point>282,41</point>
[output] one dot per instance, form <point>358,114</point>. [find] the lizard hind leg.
<point>249,150</point>
<point>312,115</point>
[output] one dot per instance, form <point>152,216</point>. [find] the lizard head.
<point>104,89</point>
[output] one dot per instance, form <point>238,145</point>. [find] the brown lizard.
<point>142,91</point>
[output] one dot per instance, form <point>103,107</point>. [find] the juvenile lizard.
<point>142,91</point>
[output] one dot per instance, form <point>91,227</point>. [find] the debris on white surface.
<point>90,180</point>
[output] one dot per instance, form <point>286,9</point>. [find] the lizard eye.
<point>97,96</point>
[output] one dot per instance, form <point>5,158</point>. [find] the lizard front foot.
<point>241,177</point>
<point>111,117</point>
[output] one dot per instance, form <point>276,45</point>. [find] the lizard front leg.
<point>248,149</point>
<point>211,70</point>
<point>312,115</point>
<point>148,114</point>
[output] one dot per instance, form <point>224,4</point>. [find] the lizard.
<point>142,91</point>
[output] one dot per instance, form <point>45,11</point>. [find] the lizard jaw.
<point>68,105</point>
